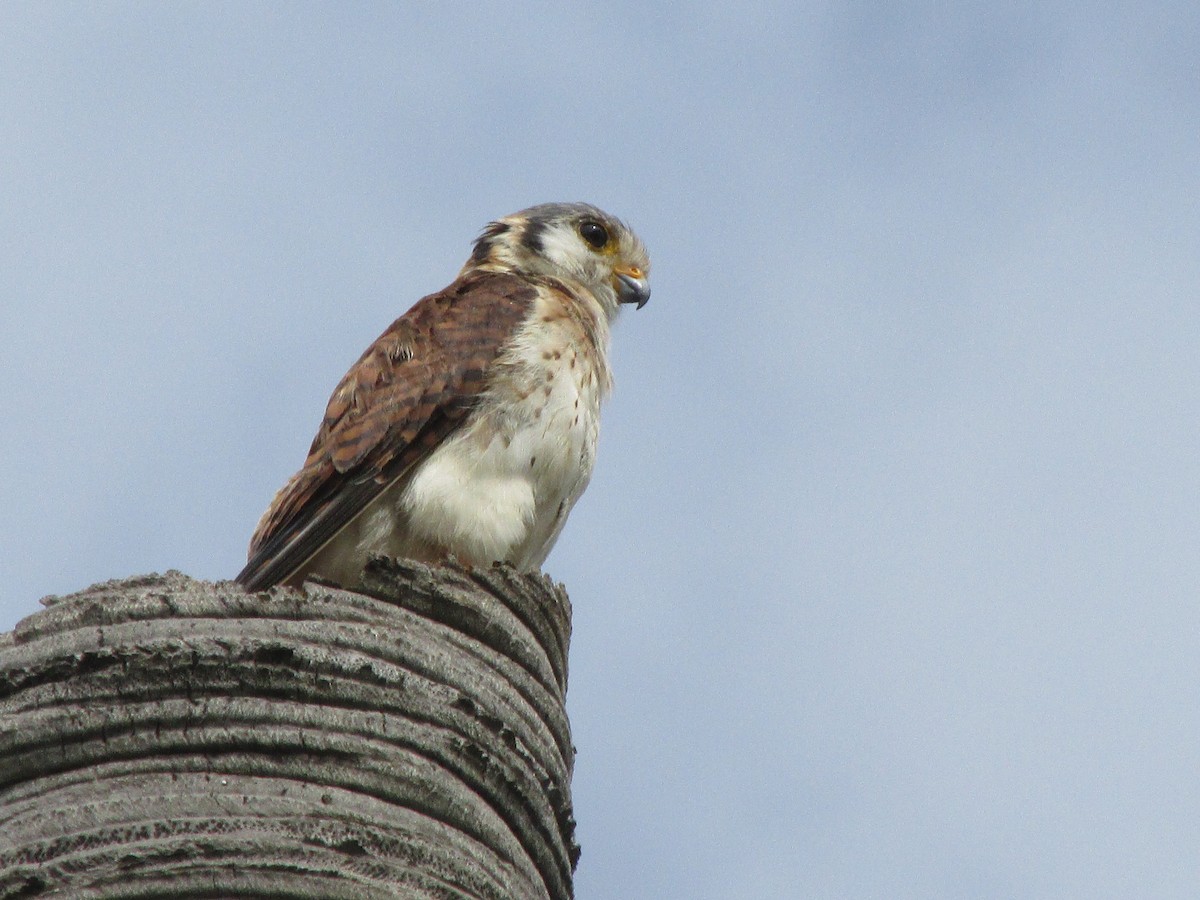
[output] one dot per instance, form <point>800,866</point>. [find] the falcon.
<point>469,427</point>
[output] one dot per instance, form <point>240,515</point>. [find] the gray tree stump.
<point>161,736</point>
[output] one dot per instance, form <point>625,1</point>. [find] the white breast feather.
<point>501,488</point>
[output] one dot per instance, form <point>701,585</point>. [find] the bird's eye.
<point>594,233</point>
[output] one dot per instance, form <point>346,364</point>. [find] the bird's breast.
<point>502,486</point>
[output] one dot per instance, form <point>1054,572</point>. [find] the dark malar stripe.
<point>532,236</point>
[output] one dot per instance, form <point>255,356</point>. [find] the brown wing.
<point>406,393</point>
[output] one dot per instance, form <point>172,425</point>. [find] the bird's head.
<point>573,241</point>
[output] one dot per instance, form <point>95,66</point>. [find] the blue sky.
<point>885,585</point>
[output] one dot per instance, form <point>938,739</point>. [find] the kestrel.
<point>469,427</point>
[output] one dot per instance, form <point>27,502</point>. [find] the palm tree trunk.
<point>166,736</point>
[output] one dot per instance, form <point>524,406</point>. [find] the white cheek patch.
<point>566,251</point>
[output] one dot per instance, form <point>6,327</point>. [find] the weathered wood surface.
<point>165,736</point>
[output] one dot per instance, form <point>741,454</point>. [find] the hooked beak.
<point>631,285</point>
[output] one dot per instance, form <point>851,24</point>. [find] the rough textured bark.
<point>165,736</point>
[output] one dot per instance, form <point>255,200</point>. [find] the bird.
<point>468,429</point>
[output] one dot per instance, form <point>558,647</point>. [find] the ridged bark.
<point>161,736</point>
